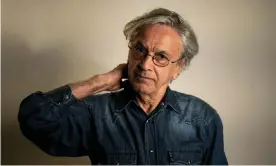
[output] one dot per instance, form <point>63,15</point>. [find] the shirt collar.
<point>171,100</point>
<point>127,96</point>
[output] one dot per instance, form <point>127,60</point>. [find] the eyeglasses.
<point>139,52</point>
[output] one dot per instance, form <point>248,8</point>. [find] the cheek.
<point>132,64</point>
<point>162,76</point>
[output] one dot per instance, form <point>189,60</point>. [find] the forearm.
<point>96,84</point>
<point>57,122</point>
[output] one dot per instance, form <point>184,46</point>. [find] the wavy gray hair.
<point>167,17</point>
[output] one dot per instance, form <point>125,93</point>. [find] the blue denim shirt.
<point>112,129</point>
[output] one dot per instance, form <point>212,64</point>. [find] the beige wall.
<point>48,43</point>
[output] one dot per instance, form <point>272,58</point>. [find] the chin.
<point>142,88</point>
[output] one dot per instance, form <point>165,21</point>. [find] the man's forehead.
<point>159,36</point>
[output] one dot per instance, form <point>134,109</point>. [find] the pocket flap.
<point>122,158</point>
<point>185,156</point>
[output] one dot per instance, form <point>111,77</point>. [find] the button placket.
<point>146,138</point>
<point>149,141</point>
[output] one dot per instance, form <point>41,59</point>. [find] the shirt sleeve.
<point>56,122</point>
<point>215,150</point>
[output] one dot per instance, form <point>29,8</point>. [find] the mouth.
<point>141,76</point>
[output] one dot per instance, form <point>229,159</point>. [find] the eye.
<point>141,49</point>
<point>160,57</point>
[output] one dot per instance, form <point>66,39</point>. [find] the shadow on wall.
<point>24,72</point>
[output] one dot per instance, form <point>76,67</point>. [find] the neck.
<point>148,102</point>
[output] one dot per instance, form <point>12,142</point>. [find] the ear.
<point>178,69</point>
<point>176,73</point>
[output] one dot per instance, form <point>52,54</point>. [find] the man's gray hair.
<point>167,17</point>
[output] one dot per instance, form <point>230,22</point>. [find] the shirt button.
<point>66,97</point>
<point>147,121</point>
<point>151,151</point>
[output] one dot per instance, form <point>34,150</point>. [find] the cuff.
<point>60,96</point>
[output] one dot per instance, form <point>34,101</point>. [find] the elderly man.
<point>141,120</point>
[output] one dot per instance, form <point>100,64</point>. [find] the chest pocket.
<point>185,157</point>
<point>122,159</point>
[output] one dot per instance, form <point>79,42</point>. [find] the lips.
<point>143,76</point>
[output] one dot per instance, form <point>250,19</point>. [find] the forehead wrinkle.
<point>152,39</point>
<point>156,37</point>
<point>161,37</point>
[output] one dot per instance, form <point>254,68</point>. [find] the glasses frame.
<point>152,57</point>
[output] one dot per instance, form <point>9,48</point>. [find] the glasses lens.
<point>139,52</point>
<point>160,60</point>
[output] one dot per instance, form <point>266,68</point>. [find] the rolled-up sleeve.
<point>56,122</point>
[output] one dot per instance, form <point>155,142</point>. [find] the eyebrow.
<point>158,51</point>
<point>162,52</point>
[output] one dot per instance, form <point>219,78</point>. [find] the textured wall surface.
<point>48,43</point>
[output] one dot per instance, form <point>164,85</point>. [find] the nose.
<point>147,63</point>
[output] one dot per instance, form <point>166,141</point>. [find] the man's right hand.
<point>110,81</point>
<point>115,77</point>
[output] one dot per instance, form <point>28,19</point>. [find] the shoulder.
<point>103,103</point>
<point>196,108</point>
